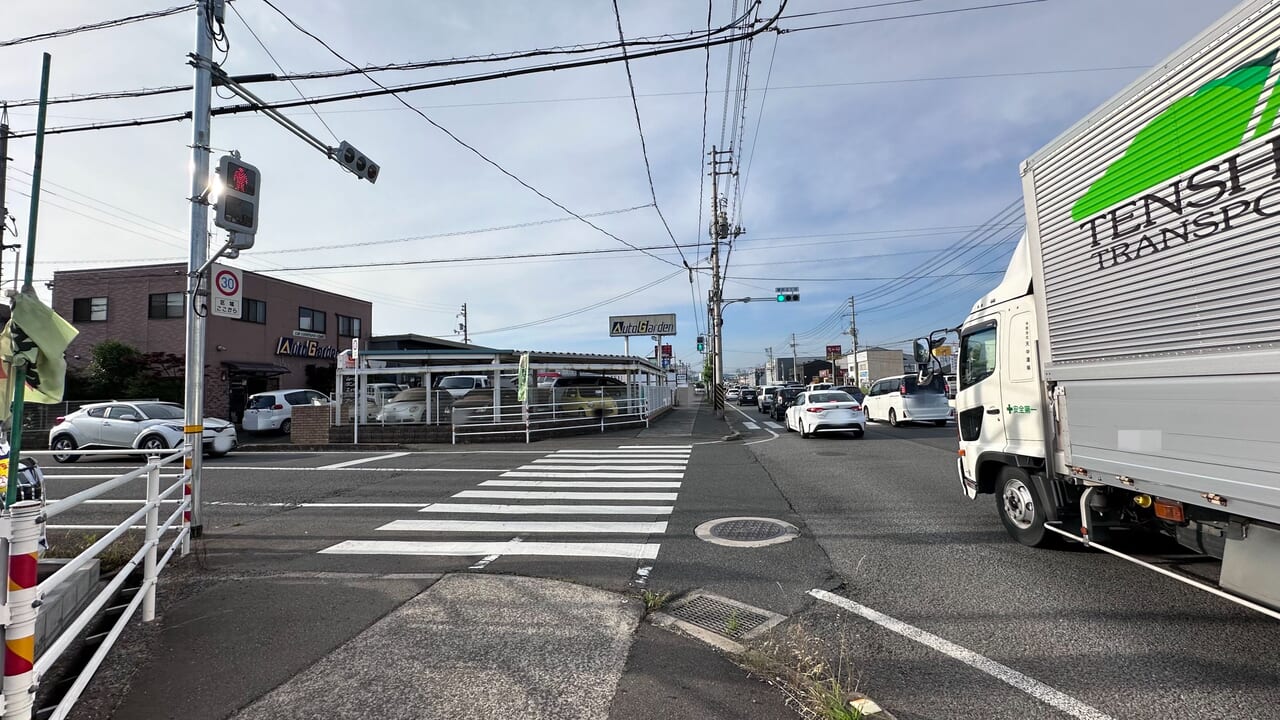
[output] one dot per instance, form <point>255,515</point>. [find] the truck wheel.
<point>1022,515</point>
<point>893,417</point>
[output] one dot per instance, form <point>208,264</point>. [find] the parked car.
<point>782,398</point>
<point>747,396</point>
<point>900,399</point>
<point>459,385</point>
<point>819,386</point>
<point>825,411</point>
<point>853,390</point>
<point>145,425</point>
<point>273,410</point>
<point>764,398</point>
<point>406,406</point>
<point>590,395</point>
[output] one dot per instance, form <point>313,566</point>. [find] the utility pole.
<point>853,333</point>
<point>795,364</point>
<point>4,172</point>
<point>719,231</point>
<point>769,374</point>
<point>202,61</point>
<point>462,327</point>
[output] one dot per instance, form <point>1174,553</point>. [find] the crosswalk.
<point>598,503</point>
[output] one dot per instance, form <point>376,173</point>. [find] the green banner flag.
<point>522,379</point>
<point>39,337</point>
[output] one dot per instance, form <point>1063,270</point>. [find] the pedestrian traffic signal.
<point>238,203</point>
<point>702,343</point>
<point>356,161</point>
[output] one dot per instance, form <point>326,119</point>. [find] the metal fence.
<point>22,527</point>
<point>548,410</point>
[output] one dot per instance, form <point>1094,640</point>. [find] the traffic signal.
<point>788,297</point>
<point>356,161</point>
<point>702,343</point>
<point>238,205</point>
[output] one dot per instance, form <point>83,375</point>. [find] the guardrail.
<point>22,529</point>
<point>583,413</point>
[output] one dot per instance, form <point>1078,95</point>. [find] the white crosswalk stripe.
<point>626,484</point>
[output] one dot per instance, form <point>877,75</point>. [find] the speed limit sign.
<point>227,287</point>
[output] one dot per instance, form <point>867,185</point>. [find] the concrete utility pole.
<point>856,380</point>
<point>769,374</point>
<point>202,61</point>
<point>719,231</point>
<point>795,364</point>
<point>462,327</point>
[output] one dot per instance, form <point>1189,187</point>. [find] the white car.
<point>406,406</point>
<point>825,411</point>
<point>274,410</point>
<point>145,425</point>
<point>900,399</point>
<point>731,394</point>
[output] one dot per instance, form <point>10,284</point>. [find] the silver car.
<point>143,425</point>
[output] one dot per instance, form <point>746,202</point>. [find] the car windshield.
<point>411,395</point>
<point>457,383</point>
<point>829,397</point>
<point>788,394</point>
<point>161,411</point>
<point>261,402</point>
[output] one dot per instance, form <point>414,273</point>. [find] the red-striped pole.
<point>186,514</point>
<point>20,634</point>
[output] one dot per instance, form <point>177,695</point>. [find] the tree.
<point>113,366</point>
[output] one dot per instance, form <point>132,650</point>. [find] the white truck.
<point>1125,374</point>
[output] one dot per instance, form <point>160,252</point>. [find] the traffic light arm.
<point>224,80</point>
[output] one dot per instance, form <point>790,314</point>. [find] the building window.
<point>310,320</point>
<point>348,326</point>
<point>255,311</point>
<point>166,305</point>
<point>89,310</point>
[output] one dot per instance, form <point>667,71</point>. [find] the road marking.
<point>652,475</point>
<point>655,447</point>
<point>514,526</point>
<point>750,425</point>
<point>613,462</point>
<point>279,468</point>
<point>548,509</point>
<point>549,495</point>
<point>600,467</point>
<point>629,551</point>
<point>230,503</point>
<point>772,435</point>
<point>622,454</point>
<point>773,424</point>
<point>625,451</point>
<point>1032,687</point>
<point>361,461</point>
<point>578,484</point>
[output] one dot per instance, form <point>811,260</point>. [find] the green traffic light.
<point>782,298</point>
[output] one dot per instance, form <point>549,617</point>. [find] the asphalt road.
<point>1115,640</point>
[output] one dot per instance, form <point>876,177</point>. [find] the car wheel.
<point>804,433</point>
<point>1019,509</point>
<point>153,442</point>
<point>866,411</point>
<point>940,423</point>
<point>60,445</point>
<point>857,434</point>
<point>286,427</point>
<point>893,417</point>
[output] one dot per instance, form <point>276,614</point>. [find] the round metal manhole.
<point>746,531</point>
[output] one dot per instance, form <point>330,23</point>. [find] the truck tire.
<point>1020,510</point>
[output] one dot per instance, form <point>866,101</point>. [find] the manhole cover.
<point>724,617</point>
<point>746,531</point>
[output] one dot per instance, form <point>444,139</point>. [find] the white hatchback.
<point>274,410</point>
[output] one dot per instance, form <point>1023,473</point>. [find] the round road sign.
<point>227,283</point>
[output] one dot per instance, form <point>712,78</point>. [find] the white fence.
<point>22,527</point>
<point>548,411</point>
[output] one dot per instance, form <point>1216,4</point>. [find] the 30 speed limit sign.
<point>227,286</point>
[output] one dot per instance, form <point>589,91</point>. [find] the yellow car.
<point>590,401</point>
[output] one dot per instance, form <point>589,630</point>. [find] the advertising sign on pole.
<point>834,351</point>
<point>623,325</point>
<point>355,349</point>
<point>227,289</point>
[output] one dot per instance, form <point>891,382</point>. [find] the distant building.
<point>288,335</point>
<point>874,363</point>
<point>782,370</point>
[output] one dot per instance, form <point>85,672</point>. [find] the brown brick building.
<point>288,335</point>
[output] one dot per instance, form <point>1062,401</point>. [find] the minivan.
<point>459,385</point>
<point>901,399</point>
<point>273,410</point>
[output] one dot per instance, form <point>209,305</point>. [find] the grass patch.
<point>815,674</point>
<point>72,543</point>
<point>654,600</point>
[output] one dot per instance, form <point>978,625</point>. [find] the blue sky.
<point>872,150</point>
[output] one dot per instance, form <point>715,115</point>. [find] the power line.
<point>783,31</point>
<point>117,22</point>
<point>760,121</point>
<point>849,9</point>
<point>702,177</point>
<point>863,279</point>
<point>581,310</point>
<point>644,150</point>
<point>282,71</point>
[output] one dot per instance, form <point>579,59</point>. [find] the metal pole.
<point>152,538</point>
<point>4,172</point>
<point>19,370</point>
<point>193,401</point>
<point>20,633</point>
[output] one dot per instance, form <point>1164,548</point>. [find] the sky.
<point>866,154</point>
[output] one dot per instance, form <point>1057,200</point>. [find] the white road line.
<point>230,503</point>
<point>750,425</point>
<point>773,424</point>
<point>600,467</point>
<point>484,562</point>
<point>579,484</point>
<point>351,469</point>
<point>478,508</point>
<point>627,475</point>
<point>515,526</point>
<point>550,495</point>
<point>772,435</point>
<point>654,447</point>
<point>616,463</point>
<point>1032,687</point>
<point>623,453</point>
<point>620,458</point>
<point>361,461</point>
<point>630,551</point>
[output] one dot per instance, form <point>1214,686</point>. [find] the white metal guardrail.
<point>21,529</point>
<point>581,413</point>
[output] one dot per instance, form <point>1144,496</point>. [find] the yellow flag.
<point>38,336</point>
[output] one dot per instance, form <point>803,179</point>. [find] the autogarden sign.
<point>623,325</point>
<point>298,347</point>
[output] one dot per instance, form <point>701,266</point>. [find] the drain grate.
<point>723,618</point>
<point>748,530</point>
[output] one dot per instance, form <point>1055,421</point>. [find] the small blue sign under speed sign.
<point>227,286</point>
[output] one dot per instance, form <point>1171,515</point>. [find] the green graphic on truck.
<point>1210,122</point>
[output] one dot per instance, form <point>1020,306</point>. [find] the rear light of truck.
<point>1170,510</point>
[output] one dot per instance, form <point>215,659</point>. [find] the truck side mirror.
<point>920,350</point>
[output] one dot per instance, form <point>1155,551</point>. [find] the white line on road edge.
<point>618,475</point>
<point>654,447</point>
<point>774,435</point>
<point>232,503</point>
<point>772,424</point>
<point>1031,686</point>
<point>471,508</point>
<point>516,526</point>
<point>279,468</point>
<point>629,551</point>
<point>558,495</point>
<point>610,461</point>
<point>601,467</point>
<point>361,461</point>
<point>579,484</point>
